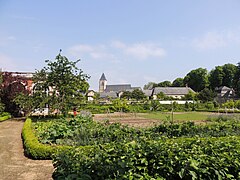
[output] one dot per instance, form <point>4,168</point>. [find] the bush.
<point>34,149</point>
<point>5,116</point>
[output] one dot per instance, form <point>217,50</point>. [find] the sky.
<point>131,41</point>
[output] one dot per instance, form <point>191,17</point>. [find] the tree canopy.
<point>60,85</point>
<point>197,79</point>
<point>64,82</point>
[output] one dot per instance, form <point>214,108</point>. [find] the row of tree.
<point>199,79</point>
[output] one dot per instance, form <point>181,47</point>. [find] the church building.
<point>113,91</point>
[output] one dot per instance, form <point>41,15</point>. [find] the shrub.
<point>33,148</point>
<point>5,116</point>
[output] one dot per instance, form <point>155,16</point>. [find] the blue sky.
<point>131,41</point>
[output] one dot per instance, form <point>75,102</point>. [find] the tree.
<point>120,105</point>
<point>25,102</point>
<point>164,84</point>
<point>11,86</point>
<point>237,80</point>
<point>138,94</point>
<point>229,71</point>
<point>190,96</point>
<point>206,95</point>
<point>149,85</point>
<point>216,77</point>
<point>62,83</point>
<point>178,82</point>
<point>197,79</point>
<point>126,95</point>
<point>162,96</point>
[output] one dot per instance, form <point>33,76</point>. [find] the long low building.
<point>175,92</point>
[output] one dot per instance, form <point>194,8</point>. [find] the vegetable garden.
<point>86,149</point>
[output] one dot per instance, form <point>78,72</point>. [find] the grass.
<point>178,116</point>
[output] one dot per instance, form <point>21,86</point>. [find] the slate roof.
<point>223,88</point>
<point>172,90</point>
<point>108,94</point>
<point>103,78</point>
<point>147,92</point>
<point>117,88</point>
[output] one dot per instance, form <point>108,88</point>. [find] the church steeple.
<point>102,83</point>
<point>103,78</point>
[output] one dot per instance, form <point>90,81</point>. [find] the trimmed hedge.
<point>5,117</point>
<point>32,147</point>
<point>36,150</point>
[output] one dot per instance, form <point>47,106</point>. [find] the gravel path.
<point>13,164</point>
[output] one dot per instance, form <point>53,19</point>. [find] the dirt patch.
<point>137,119</point>
<point>13,164</point>
<point>130,119</point>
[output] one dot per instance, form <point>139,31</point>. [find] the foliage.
<point>164,84</point>
<point>135,94</point>
<point>153,153</point>
<point>120,105</point>
<point>33,148</point>
<point>82,131</point>
<point>11,86</point>
<point>229,71</point>
<point>63,81</point>
<point>190,95</point>
<point>138,94</point>
<point>178,82</point>
<point>25,102</point>
<point>216,77</point>
<point>197,79</point>
<point>126,95</point>
<point>149,85</point>
<point>206,95</point>
<point>5,116</point>
<point>162,96</point>
<point>193,158</point>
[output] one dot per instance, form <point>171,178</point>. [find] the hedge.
<point>5,117</point>
<point>36,150</point>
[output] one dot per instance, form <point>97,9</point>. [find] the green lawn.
<point>178,116</point>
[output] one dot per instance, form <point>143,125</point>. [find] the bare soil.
<point>130,119</point>
<point>13,164</point>
<point>136,120</point>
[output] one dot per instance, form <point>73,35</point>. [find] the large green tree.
<point>138,94</point>
<point>229,71</point>
<point>61,83</point>
<point>206,95</point>
<point>216,77</point>
<point>178,82</point>
<point>164,84</point>
<point>197,79</point>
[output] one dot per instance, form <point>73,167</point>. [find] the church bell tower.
<point>102,83</point>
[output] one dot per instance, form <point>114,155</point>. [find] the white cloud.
<point>210,40</point>
<point>217,39</point>
<point>140,50</point>
<point>116,50</point>
<point>95,52</point>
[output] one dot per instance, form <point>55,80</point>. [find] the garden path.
<point>13,164</point>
